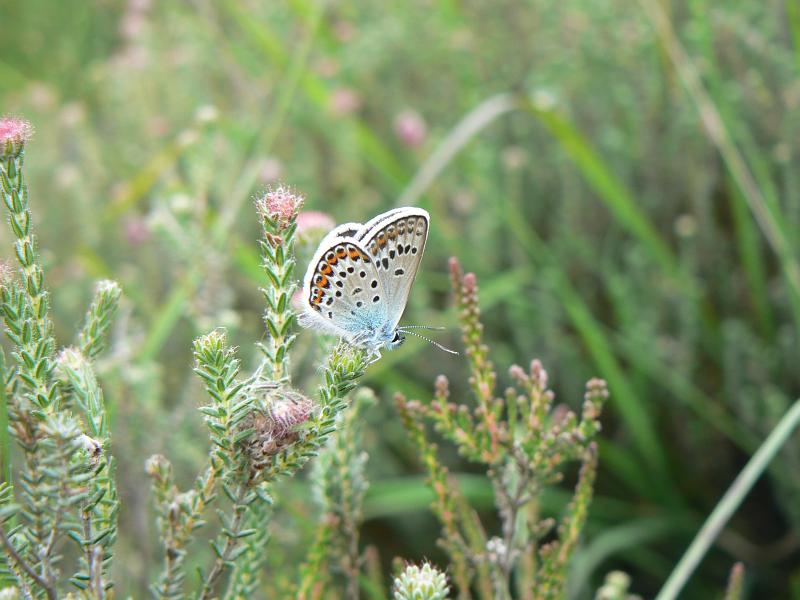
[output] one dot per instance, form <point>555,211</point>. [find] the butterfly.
<point>358,282</point>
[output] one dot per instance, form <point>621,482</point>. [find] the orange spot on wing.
<point>333,260</point>
<point>354,254</point>
<point>325,269</point>
<point>341,253</point>
<point>381,240</point>
<point>323,282</point>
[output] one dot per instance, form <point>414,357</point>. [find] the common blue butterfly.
<point>358,282</point>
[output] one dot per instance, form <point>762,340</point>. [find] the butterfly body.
<point>359,279</point>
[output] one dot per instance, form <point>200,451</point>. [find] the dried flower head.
<point>280,205</point>
<point>290,410</point>
<point>278,412</point>
<point>420,583</point>
<point>410,128</point>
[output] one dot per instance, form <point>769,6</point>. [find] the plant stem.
<point>729,503</point>
<point>240,510</point>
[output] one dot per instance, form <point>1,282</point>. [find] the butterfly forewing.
<point>395,243</point>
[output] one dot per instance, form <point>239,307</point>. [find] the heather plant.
<point>65,488</point>
<point>261,429</point>
<point>523,443</point>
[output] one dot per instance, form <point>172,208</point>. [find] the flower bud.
<point>425,583</point>
<point>280,205</point>
<point>13,135</point>
<point>410,128</point>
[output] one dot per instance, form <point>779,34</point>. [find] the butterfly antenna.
<point>404,327</point>
<point>437,344</point>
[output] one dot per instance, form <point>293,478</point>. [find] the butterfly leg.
<point>373,356</point>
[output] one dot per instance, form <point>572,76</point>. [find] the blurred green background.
<point>562,158</point>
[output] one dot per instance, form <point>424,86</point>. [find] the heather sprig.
<point>216,364</point>
<point>278,210</point>
<point>340,484</point>
<point>98,511</point>
<point>262,429</point>
<point>92,338</point>
<point>65,485</point>
<point>179,516</point>
<point>522,442</point>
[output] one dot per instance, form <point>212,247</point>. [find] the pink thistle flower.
<point>14,131</point>
<point>344,101</point>
<point>313,223</point>
<point>280,204</point>
<point>410,128</point>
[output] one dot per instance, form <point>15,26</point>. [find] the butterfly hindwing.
<point>341,286</point>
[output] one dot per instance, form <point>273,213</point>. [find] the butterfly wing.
<point>341,290</point>
<point>395,242</point>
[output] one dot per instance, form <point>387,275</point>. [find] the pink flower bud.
<point>15,131</point>
<point>271,170</point>
<point>313,222</point>
<point>280,204</point>
<point>137,231</point>
<point>344,101</point>
<point>410,128</point>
